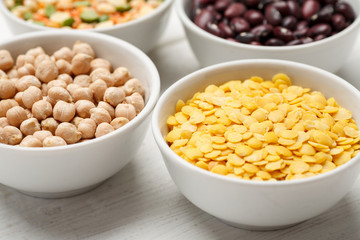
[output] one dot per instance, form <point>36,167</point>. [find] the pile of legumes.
<point>80,14</point>
<point>272,22</point>
<point>263,130</point>
<point>68,97</point>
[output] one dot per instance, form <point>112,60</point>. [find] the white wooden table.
<point>142,202</point>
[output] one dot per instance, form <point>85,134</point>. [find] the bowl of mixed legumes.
<point>307,31</point>
<point>73,109</point>
<point>260,144</point>
<point>140,22</point>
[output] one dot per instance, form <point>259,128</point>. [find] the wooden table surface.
<point>142,202</point>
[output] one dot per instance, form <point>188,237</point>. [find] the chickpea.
<point>4,122</point>
<point>66,78</point>
<point>107,107</point>
<point>136,100</point>
<point>80,64</point>
<point>3,74</point>
<point>125,110</point>
<point>76,120</point>
<point>87,127</point>
<point>30,96</point>
<point>72,87</point>
<point>3,136</point>
<point>49,124</point>
<point>98,88</point>
<point>100,115</point>
<point>42,134</point>
<point>31,141</point>
<point>27,69</point>
<point>46,71</point>
<point>83,108</point>
<point>16,115</point>
<point>53,141</point>
<point>56,94</point>
<point>22,59</point>
<point>29,126</point>
<point>7,88</point>
<point>40,58</point>
<point>41,109</point>
<point>64,53</point>
<point>82,80</point>
<point>6,60</point>
<point>64,111</point>
<point>83,93</point>
<point>121,75</point>
<point>12,73</point>
<point>103,129</point>
<point>68,132</point>
<point>82,47</point>
<point>114,95</point>
<point>103,74</point>
<point>35,52</point>
<point>134,85</point>
<point>14,135</point>
<point>5,105</point>
<point>26,81</point>
<point>56,83</point>
<point>118,122</point>
<point>18,99</point>
<point>63,66</point>
<point>100,63</point>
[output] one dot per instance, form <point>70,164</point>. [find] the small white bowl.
<point>68,170</point>
<point>329,54</point>
<point>254,204</point>
<point>143,32</point>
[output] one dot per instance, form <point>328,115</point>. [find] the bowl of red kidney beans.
<point>317,32</point>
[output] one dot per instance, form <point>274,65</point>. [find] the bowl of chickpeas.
<point>139,22</point>
<point>315,32</point>
<point>260,144</point>
<point>73,109</point>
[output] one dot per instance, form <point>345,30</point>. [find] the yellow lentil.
<point>263,130</point>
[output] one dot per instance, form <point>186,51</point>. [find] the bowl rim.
<point>157,11</point>
<point>163,146</point>
<point>154,91</point>
<point>188,23</point>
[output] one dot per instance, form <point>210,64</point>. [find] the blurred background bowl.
<point>329,53</point>
<point>143,32</point>
<point>257,205</point>
<point>72,169</point>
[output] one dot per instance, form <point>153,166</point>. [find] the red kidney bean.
<point>338,22</point>
<point>272,15</point>
<point>221,5</point>
<point>289,22</point>
<point>254,17</point>
<point>309,8</point>
<point>239,25</point>
<point>283,34</point>
<point>274,42</point>
<point>225,30</point>
<point>294,8</point>
<point>235,10</point>
<point>319,29</point>
<point>246,37</point>
<point>345,9</point>
<point>272,22</point>
<point>262,32</point>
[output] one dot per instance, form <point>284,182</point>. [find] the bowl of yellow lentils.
<point>260,144</point>
<point>137,21</point>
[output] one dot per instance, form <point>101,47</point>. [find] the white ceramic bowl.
<point>254,204</point>
<point>144,32</point>
<point>72,169</point>
<point>329,54</point>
